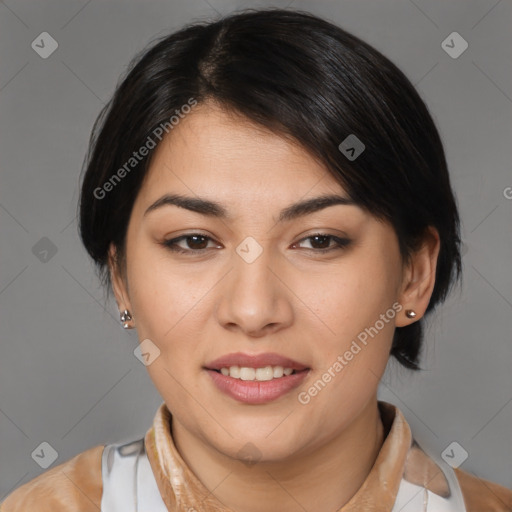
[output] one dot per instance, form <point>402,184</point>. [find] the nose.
<point>255,299</point>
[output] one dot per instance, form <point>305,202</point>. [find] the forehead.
<point>214,151</point>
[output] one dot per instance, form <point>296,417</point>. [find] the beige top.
<point>76,485</point>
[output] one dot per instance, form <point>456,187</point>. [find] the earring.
<point>125,318</point>
<point>409,313</point>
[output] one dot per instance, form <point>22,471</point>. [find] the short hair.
<point>301,77</point>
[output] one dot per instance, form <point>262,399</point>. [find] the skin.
<point>293,299</point>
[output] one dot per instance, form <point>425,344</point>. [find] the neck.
<point>324,479</point>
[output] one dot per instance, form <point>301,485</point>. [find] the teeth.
<point>278,372</point>
<point>247,373</point>
<point>260,374</point>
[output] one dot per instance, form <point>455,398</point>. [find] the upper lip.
<point>254,361</point>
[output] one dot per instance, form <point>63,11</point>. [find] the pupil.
<point>322,237</point>
<point>195,243</point>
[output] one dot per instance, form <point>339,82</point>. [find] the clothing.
<point>149,474</point>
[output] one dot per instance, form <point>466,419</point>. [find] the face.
<point>297,288</point>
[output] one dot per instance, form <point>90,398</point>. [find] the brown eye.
<point>196,242</point>
<point>322,242</point>
<point>190,243</point>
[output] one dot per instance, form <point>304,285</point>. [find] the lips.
<point>254,361</point>
<point>256,392</point>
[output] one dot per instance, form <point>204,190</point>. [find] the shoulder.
<point>73,486</point>
<point>483,495</point>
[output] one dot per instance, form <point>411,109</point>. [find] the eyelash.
<point>340,243</point>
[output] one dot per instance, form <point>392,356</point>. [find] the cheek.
<point>161,294</point>
<point>354,314</point>
<point>351,296</point>
<point>167,302</point>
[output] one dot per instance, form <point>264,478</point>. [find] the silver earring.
<point>125,318</point>
<point>409,313</point>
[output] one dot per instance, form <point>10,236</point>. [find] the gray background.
<point>68,375</point>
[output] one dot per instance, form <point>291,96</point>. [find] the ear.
<point>419,278</point>
<point>118,281</point>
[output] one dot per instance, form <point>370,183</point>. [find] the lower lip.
<point>254,391</point>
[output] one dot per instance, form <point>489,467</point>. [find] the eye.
<point>196,243</point>
<point>321,242</point>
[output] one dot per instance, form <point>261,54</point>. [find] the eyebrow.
<point>214,209</point>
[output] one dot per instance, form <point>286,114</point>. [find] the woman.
<point>268,198</point>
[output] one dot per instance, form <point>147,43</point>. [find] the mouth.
<point>261,374</point>
<point>255,362</point>
<point>256,379</point>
